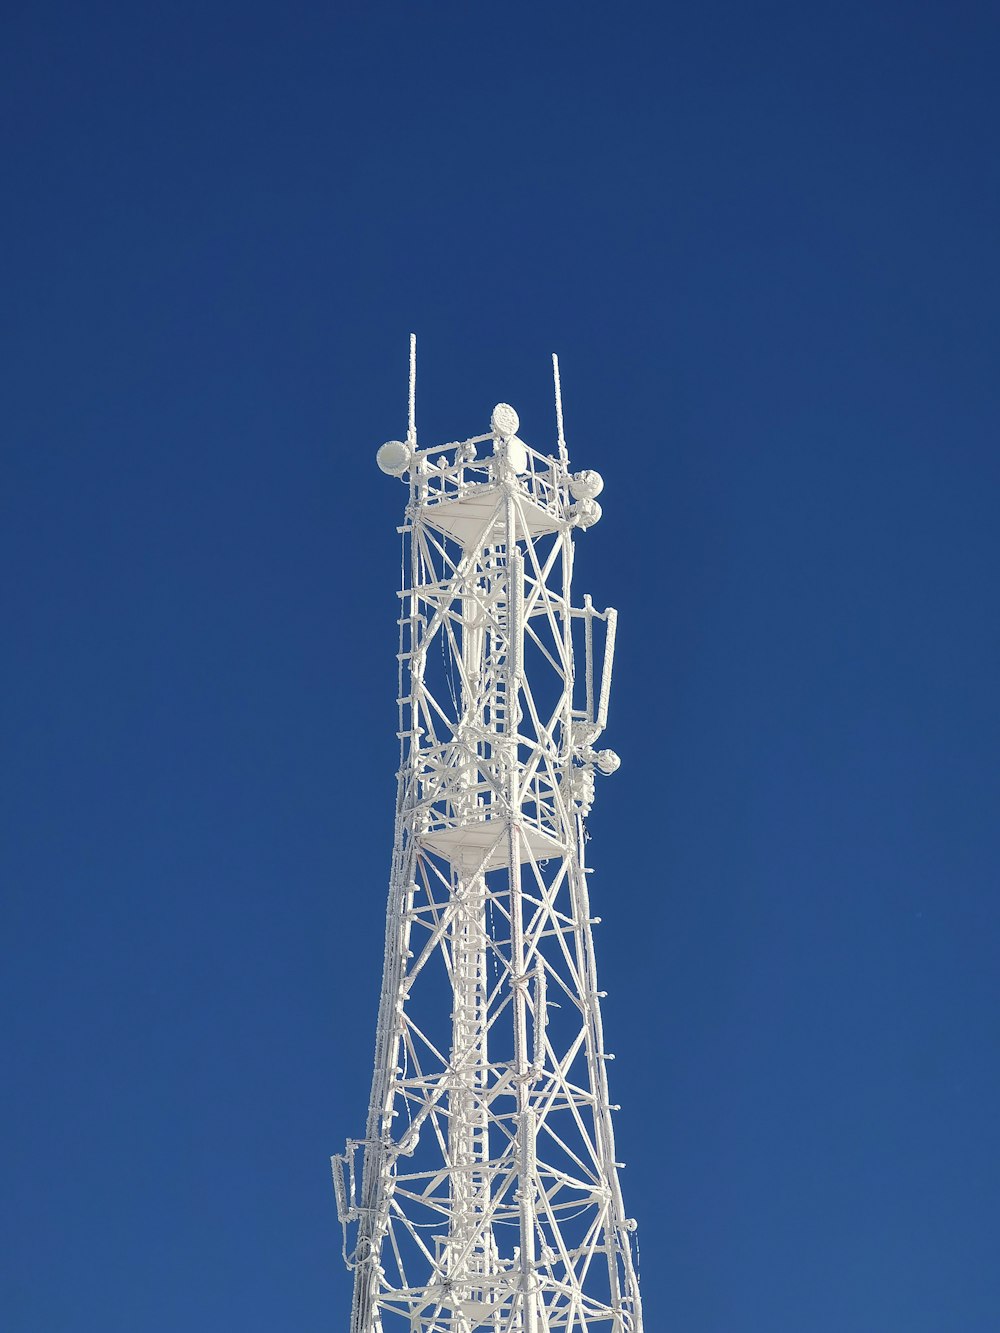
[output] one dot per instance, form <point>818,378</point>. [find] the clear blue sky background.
<point>763,239</point>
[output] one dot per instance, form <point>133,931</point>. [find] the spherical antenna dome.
<point>504,421</point>
<point>586,485</point>
<point>393,457</point>
<point>587,512</point>
<point>608,762</point>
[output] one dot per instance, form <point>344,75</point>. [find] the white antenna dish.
<point>504,421</point>
<point>394,457</point>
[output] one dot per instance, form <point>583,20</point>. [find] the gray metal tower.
<point>484,1194</point>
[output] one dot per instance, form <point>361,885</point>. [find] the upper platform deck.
<point>462,495</point>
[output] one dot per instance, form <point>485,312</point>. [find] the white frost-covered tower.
<point>484,1194</point>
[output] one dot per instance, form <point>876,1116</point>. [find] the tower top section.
<point>454,486</point>
<point>488,1199</point>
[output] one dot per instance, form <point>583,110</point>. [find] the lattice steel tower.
<point>485,1194</point>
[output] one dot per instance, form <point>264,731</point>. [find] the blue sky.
<point>763,240</point>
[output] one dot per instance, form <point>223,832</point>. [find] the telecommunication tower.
<point>485,1194</point>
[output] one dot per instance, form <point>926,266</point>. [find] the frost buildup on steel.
<point>485,1192</point>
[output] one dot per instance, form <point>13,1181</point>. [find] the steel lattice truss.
<point>485,1193</point>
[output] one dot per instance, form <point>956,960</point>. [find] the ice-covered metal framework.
<point>485,1193</point>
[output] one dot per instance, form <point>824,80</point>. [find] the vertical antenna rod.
<point>411,429</point>
<point>563,453</point>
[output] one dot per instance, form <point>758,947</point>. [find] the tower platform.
<point>476,517</point>
<point>468,844</point>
